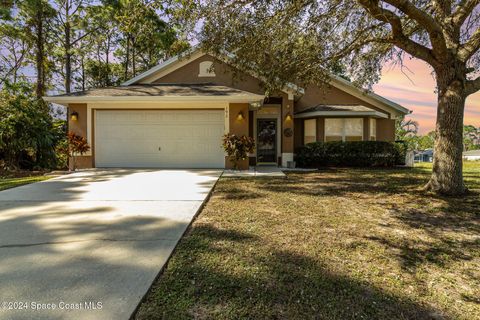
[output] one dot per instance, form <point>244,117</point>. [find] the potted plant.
<point>76,145</point>
<point>237,148</point>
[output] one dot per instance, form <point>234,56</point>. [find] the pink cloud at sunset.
<point>418,93</point>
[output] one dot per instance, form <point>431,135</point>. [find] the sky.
<point>414,88</point>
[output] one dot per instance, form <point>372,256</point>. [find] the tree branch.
<point>472,86</point>
<point>462,11</point>
<point>85,35</point>
<point>398,37</point>
<point>470,47</point>
<point>425,21</point>
<point>442,8</point>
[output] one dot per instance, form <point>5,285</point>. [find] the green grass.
<point>336,244</point>
<point>11,182</point>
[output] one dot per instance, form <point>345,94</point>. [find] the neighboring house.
<point>423,155</point>
<point>174,115</point>
<point>472,155</point>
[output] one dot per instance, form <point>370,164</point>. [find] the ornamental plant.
<point>237,148</point>
<point>76,145</point>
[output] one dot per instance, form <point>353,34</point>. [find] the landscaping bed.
<point>333,244</point>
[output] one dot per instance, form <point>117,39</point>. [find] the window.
<point>310,131</point>
<point>373,129</point>
<point>345,129</point>
<point>206,69</point>
<point>333,130</point>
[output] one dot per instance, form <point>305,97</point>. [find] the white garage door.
<point>159,138</point>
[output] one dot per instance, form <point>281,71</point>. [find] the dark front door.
<point>267,140</point>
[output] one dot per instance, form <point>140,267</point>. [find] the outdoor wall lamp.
<point>288,117</point>
<point>74,116</point>
<point>240,116</point>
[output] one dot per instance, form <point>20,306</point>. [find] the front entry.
<point>266,140</point>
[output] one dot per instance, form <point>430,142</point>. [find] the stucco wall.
<point>239,128</point>
<point>79,127</point>
<point>385,130</point>
<point>225,75</point>
<point>327,94</point>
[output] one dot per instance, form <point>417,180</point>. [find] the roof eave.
<point>312,114</point>
<point>233,99</point>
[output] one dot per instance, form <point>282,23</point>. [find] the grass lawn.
<point>337,244</point>
<point>7,182</point>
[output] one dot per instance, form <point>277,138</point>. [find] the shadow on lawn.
<point>260,283</point>
<point>451,234</point>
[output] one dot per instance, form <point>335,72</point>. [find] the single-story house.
<point>423,155</point>
<point>472,155</point>
<point>174,116</point>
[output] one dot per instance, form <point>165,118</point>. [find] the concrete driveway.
<point>88,245</point>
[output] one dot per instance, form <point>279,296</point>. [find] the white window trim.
<point>343,129</point>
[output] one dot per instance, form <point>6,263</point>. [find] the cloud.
<point>414,88</point>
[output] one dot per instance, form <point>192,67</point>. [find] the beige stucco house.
<point>174,116</point>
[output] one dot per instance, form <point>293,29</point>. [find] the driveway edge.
<point>160,273</point>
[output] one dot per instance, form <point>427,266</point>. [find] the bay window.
<point>343,129</point>
<point>310,131</point>
<point>373,129</point>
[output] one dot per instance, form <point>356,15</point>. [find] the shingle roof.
<point>337,107</point>
<point>197,89</point>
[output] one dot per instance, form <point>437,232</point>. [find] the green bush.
<point>27,138</point>
<point>351,154</point>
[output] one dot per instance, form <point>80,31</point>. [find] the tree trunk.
<point>40,53</point>
<point>68,60</point>
<point>127,56</point>
<point>447,176</point>
<point>82,65</point>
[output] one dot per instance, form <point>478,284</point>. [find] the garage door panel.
<point>159,138</point>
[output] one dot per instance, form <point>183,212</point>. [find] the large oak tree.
<point>298,40</point>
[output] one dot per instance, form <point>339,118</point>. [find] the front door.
<point>267,140</point>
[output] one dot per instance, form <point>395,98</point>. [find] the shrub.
<point>77,145</point>
<point>26,138</point>
<point>401,148</point>
<point>352,154</point>
<point>237,148</point>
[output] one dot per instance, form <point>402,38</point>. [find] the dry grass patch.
<point>337,244</point>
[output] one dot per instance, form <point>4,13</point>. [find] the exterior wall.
<point>299,133</point>
<point>288,146</point>
<point>385,130</point>
<point>239,128</point>
<point>225,75</point>
<point>79,127</point>
<point>315,95</point>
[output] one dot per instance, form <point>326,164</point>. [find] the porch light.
<point>288,117</point>
<point>74,116</point>
<point>240,116</point>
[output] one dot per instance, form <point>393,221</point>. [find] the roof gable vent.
<point>206,69</point>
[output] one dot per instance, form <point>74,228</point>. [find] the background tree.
<point>70,29</point>
<point>406,130</point>
<point>471,138</point>
<point>15,49</point>
<point>36,14</point>
<point>299,40</point>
